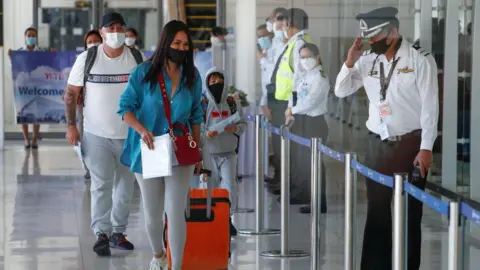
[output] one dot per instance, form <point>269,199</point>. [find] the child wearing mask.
<point>309,103</point>
<point>222,145</point>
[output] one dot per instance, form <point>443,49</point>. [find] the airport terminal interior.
<point>45,200</point>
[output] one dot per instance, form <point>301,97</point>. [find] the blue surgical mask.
<point>279,35</point>
<point>31,41</point>
<point>264,42</point>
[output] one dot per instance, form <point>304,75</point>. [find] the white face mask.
<point>215,40</point>
<point>308,63</point>
<point>92,45</point>
<point>270,26</point>
<point>115,40</point>
<point>130,41</point>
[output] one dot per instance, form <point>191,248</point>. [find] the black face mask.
<point>176,56</point>
<point>217,91</point>
<point>380,47</point>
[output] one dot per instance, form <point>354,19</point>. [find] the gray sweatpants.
<point>167,195</point>
<point>112,184</point>
<point>224,175</point>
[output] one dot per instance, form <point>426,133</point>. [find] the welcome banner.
<point>39,80</point>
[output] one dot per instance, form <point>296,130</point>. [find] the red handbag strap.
<point>166,105</point>
<point>166,102</point>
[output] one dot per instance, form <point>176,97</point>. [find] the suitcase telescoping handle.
<point>209,197</point>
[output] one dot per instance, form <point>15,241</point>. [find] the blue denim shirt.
<point>147,105</point>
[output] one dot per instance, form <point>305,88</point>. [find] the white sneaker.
<point>159,263</point>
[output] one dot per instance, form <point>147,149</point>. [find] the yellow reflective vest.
<point>284,79</point>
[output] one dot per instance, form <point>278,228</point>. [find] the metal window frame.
<point>450,97</point>
<point>475,110</point>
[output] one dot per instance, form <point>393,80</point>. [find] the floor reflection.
<point>45,221</point>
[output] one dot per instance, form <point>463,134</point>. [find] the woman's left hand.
<point>198,167</point>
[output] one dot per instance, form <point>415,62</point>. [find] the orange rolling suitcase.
<point>208,236</point>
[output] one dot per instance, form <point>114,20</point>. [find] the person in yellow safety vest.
<point>289,68</point>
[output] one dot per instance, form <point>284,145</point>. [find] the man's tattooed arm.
<point>71,96</point>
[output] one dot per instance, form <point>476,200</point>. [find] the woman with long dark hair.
<point>141,107</point>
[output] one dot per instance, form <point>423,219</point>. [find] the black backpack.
<point>92,56</point>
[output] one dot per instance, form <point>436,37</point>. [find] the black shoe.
<point>87,175</point>
<point>102,246</point>
<point>307,209</point>
<point>296,200</point>
<point>233,230</point>
<point>276,191</point>
<point>118,241</point>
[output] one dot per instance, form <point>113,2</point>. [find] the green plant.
<point>238,95</point>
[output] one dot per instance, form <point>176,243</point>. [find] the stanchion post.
<point>399,222</point>
<point>259,178</point>
<point>316,192</point>
<point>285,192</point>
<point>284,251</point>
<point>349,251</point>
<point>453,236</point>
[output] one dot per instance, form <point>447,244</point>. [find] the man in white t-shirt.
<point>104,133</point>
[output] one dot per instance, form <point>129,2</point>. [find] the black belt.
<point>415,133</point>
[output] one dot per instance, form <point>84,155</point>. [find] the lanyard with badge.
<point>384,107</point>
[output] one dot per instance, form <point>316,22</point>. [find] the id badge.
<point>383,130</point>
<point>385,110</point>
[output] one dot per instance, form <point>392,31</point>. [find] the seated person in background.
<point>309,101</point>
<point>222,145</point>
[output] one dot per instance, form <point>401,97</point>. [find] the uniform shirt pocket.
<point>406,80</point>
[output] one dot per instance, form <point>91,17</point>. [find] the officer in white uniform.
<point>401,83</point>
<point>309,103</point>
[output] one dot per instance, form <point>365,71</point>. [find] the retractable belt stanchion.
<point>316,178</point>
<point>259,230</point>
<point>453,236</point>
<point>399,222</point>
<point>350,210</point>
<point>284,251</point>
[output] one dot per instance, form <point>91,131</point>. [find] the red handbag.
<point>186,149</point>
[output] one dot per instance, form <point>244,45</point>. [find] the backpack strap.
<point>91,57</point>
<point>137,55</point>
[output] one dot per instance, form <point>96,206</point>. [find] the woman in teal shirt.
<point>141,107</point>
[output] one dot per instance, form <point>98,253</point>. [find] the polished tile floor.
<point>45,216</point>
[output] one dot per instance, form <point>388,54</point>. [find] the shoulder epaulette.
<point>420,50</point>
<point>322,73</point>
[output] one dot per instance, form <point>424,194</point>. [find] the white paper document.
<point>157,162</point>
<point>78,149</point>
<point>220,126</point>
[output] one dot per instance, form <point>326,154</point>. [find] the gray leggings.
<point>167,195</point>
